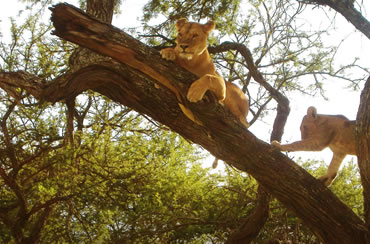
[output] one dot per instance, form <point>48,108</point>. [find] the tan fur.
<point>319,131</point>
<point>192,54</point>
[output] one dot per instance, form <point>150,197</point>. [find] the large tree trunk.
<point>363,147</point>
<point>130,81</point>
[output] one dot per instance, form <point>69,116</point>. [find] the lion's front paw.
<point>168,53</point>
<point>196,92</point>
<point>275,144</point>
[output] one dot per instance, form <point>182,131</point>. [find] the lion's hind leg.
<point>237,103</point>
<point>332,171</point>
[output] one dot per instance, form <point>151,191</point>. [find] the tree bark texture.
<point>363,147</point>
<point>101,9</point>
<point>129,78</point>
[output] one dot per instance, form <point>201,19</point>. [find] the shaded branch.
<point>39,224</point>
<point>17,191</point>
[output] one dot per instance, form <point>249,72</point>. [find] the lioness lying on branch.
<point>191,53</point>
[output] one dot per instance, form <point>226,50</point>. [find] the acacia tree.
<point>132,85</point>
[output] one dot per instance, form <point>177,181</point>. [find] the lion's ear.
<point>312,112</point>
<point>181,22</point>
<point>209,26</point>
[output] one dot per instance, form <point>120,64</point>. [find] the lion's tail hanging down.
<point>215,163</point>
<point>190,114</point>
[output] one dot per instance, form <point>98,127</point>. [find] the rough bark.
<point>363,147</point>
<point>101,9</point>
<point>131,82</point>
<point>347,9</point>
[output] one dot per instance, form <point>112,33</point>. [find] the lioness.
<point>319,131</point>
<point>191,53</point>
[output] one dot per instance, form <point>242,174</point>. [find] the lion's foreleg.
<point>207,82</point>
<point>304,145</point>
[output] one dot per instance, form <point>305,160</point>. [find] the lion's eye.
<point>195,35</point>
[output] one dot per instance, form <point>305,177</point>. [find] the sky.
<point>341,100</point>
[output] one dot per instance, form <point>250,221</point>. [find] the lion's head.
<point>320,124</point>
<point>192,37</point>
<point>309,123</point>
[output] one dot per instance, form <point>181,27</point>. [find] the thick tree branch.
<point>11,81</point>
<point>102,10</point>
<point>132,84</point>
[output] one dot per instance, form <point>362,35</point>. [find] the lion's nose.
<point>184,46</point>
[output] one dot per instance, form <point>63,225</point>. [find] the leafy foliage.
<point>124,180</point>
